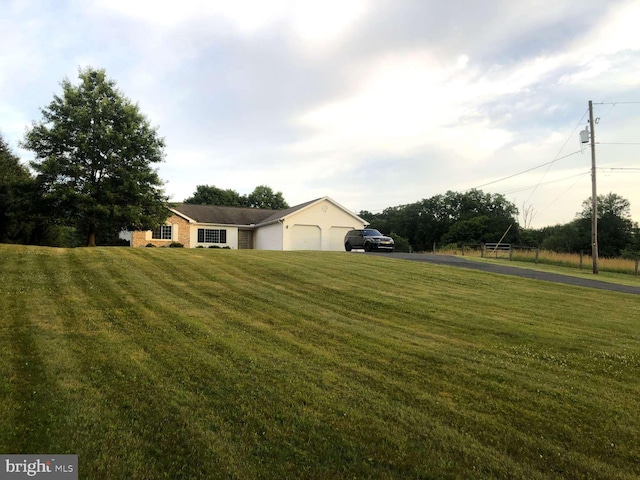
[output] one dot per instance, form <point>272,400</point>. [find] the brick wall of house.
<point>180,234</point>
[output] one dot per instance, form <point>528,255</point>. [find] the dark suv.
<point>369,239</point>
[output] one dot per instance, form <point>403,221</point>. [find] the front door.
<point>245,239</point>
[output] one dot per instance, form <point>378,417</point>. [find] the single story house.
<point>319,224</point>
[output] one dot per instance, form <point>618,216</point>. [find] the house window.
<point>162,233</point>
<point>210,235</point>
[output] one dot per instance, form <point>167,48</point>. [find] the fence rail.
<point>579,260</point>
<point>496,249</point>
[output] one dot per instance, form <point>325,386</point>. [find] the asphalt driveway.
<point>461,262</point>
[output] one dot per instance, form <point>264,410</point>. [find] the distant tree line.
<point>261,197</point>
<point>618,235</point>
<point>475,217</point>
<point>452,218</point>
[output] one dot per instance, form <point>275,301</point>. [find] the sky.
<point>374,103</point>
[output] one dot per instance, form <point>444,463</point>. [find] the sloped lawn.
<point>172,363</point>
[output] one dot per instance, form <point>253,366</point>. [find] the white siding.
<point>306,237</point>
<point>232,236</point>
<point>268,237</point>
<point>336,238</point>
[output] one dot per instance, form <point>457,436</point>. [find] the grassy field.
<point>175,363</point>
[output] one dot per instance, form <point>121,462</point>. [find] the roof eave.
<point>180,214</point>
<point>271,222</point>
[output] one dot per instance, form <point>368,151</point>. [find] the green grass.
<point>172,363</point>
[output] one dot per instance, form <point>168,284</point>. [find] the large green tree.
<point>261,197</point>
<point>615,227</point>
<point>264,197</point>
<point>212,195</point>
<point>95,153</point>
<point>15,184</point>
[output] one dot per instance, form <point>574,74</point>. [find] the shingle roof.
<point>236,215</point>
<point>223,215</point>
<point>283,213</point>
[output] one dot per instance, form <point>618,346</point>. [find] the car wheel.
<point>368,247</point>
<point>347,247</point>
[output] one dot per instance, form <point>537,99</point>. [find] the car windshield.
<point>371,233</point>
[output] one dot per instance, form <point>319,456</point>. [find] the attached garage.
<point>317,225</point>
<point>306,237</point>
<point>336,238</point>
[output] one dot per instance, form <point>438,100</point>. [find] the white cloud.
<point>617,32</point>
<point>245,15</point>
<point>311,21</point>
<point>319,22</point>
<point>463,61</point>
<point>413,100</point>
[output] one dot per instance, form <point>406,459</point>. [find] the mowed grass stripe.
<point>247,442</point>
<point>262,332</point>
<point>109,388</point>
<point>217,364</point>
<point>117,389</point>
<point>188,376</point>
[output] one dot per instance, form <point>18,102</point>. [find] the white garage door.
<point>336,238</point>
<point>306,237</point>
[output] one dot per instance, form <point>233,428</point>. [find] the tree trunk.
<point>91,242</point>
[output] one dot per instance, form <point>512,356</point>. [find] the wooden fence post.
<point>510,253</point>
<point>636,271</point>
<point>581,253</point>
<point>537,254</point>
<point>463,249</point>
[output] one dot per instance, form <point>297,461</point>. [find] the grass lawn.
<point>176,363</point>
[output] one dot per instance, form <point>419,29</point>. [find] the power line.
<point>546,183</point>
<point>542,165</point>
<point>632,169</point>
<point>616,103</point>
<point>524,171</point>
<point>561,148</point>
<point>617,143</point>
<point>555,200</point>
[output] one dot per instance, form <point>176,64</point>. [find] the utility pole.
<point>594,196</point>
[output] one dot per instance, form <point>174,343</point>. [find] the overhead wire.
<point>523,189</point>
<point>616,103</point>
<point>561,148</point>
<point>535,214</point>
<point>557,158</point>
<point>632,169</point>
<point>524,171</point>
<point>548,165</point>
